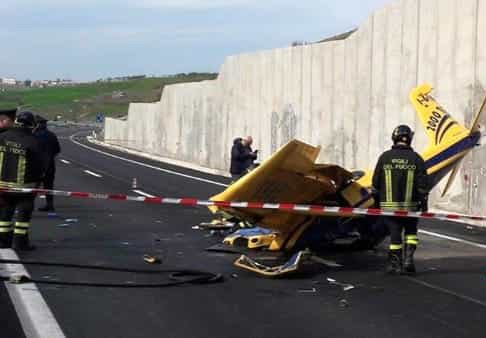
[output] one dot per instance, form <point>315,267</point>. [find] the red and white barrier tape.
<point>314,209</point>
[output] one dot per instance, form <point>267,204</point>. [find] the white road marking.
<point>34,314</point>
<point>147,165</point>
<point>92,173</point>
<point>447,291</point>
<point>140,192</point>
<point>454,239</point>
<point>65,161</point>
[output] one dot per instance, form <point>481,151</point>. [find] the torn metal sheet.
<point>291,266</point>
<point>252,238</point>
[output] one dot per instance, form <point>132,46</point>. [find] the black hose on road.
<point>176,276</point>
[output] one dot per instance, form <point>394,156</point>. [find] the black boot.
<point>409,265</point>
<point>21,243</point>
<point>394,266</point>
<point>6,239</point>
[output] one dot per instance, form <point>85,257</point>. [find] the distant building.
<point>8,81</point>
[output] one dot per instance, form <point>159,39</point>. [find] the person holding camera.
<point>242,157</point>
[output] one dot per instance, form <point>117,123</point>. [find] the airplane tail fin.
<point>438,124</point>
<point>442,130</point>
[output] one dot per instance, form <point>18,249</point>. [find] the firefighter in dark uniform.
<point>21,166</point>
<point>51,148</point>
<point>7,118</point>
<point>400,178</point>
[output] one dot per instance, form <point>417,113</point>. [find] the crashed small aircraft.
<point>291,175</point>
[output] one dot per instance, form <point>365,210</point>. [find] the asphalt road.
<point>446,299</point>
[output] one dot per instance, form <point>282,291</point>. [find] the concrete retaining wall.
<point>346,96</point>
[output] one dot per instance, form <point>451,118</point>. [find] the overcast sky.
<point>91,39</point>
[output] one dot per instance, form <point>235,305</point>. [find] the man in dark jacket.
<point>7,118</point>
<point>21,166</point>
<point>400,179</point>
<point>242,157</point>
<point>51,148</point>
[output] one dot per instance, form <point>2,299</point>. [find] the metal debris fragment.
<point>343,303</point>
<point>311,290</point>
<point>151,259</point>
<point>216,225</point>
<point>345,286</point>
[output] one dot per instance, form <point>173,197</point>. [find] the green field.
<point>82,102</point>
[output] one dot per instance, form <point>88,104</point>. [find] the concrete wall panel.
<point>379,90</point>
<point>350,102</point>
<point>338,103</point>
<point>410,19</point>
<point>364,76</point>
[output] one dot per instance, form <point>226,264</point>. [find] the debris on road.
<point>215,225</point>
<point>71,220</point>
<point>293,265</point>
<point>343,303</point>
<point>345,286</point>
<point>63,225</point>
<point>151,259</point>
<point>312,290</point>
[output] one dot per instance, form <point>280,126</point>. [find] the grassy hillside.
<point>83,102</point>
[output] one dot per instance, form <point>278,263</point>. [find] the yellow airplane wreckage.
<point>291,175</point>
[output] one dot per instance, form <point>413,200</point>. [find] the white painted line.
<point>34,314</point>
<point>65,161</point>
<point>140,192</point>
<point>454,239</point>
<point>92,173</point>
<point>147,165</point>
<point>447,291</point>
